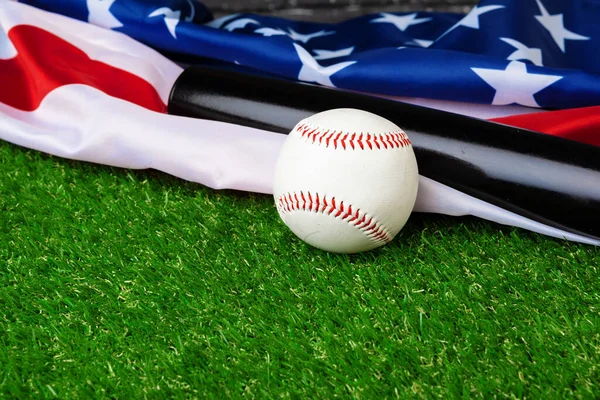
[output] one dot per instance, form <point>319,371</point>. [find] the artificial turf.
<point>130,284</point>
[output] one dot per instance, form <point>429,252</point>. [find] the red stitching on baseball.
<point>312,202</point>
<point>392,140</point>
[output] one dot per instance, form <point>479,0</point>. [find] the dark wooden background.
<point>333,10</point>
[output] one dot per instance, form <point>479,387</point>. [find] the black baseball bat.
<point>548,179</point>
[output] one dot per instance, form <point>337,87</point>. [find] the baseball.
<point>346,180</point>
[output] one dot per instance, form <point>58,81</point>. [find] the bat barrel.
<point>545,178</point>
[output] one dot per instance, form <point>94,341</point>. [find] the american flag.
<point>534,53</point>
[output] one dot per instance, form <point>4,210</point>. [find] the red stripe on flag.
<point>46,62</point>
<point>579,124</point>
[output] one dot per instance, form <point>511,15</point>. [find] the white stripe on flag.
<point>100,44</point>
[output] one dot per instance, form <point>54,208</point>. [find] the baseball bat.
<point>548,179</point>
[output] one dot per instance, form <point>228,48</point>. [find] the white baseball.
<point>346,180</point>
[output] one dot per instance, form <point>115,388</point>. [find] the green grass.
<point>132,284</point>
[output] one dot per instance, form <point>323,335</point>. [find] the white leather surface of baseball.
<point>346,180</point>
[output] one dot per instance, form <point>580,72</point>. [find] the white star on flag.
<point>471,20</point>
<point>311,71</point>
<point>421,42</point>
<point>304,38</point>
<point>240,24</point>
<point>514,84</point>
<point>401,22</point>
<point>99,14</point>
<point>555,25</point>
<point>328,54</point>
<point>217,23</point>
<point>523,52</point>
<point>270,32</point>
<point>171,18</point>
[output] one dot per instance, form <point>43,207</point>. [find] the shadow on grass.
<point>419,227</point>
